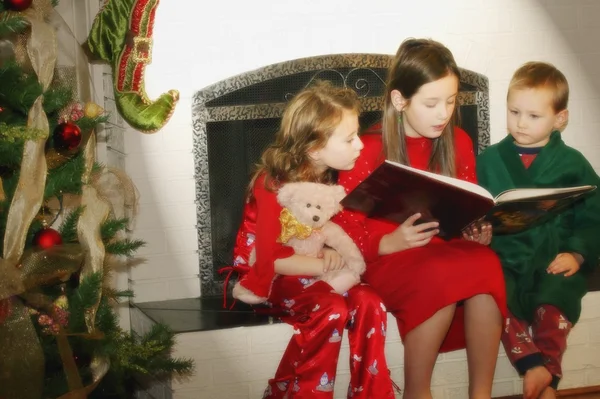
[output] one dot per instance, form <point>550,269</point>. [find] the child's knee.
<point>333,306</point>
<point>365,297</point>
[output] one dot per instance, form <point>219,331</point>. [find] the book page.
<point>533,193</point>
<point>465,185</point>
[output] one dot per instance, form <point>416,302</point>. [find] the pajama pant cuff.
<point>529,362</point>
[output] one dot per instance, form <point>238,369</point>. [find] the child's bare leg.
<point>548,393</point>
<point>483,326</point>
<point>535,381</point>
<point>421,347</point>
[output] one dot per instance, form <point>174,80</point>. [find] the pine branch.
<point>11,154</point>
<point>68,228</point>
<point>19,90</point>
<point>55,3</point>
<point>11,133</point>
<point>86,124</point>
<point>82,298</point>
<point>66,178</point>
<point>57,98</point>
<point>11,23</point>
<point>125,247</point>
<point>111,227</point>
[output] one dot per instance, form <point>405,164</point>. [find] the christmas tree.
<point>63,226</point>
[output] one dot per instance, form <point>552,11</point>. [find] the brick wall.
<point>205,42</point>
<point>236,363</point>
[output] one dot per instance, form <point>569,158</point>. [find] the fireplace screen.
<point>234,120</point>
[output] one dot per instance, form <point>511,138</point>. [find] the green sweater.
<point>525,256</point>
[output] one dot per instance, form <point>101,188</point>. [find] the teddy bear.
<point>306,227</point>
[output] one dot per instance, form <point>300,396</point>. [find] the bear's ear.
<point>338,193</point>
<point>286,193</point>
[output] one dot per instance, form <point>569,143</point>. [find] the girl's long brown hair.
<point>307,123</point>
<point>417,62</point>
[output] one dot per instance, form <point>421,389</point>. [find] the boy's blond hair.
<point>537,75</point>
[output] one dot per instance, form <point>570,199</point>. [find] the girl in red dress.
<point>445,295</point>
<point>318,135</point>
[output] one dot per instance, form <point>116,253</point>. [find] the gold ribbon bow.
<point>291,227</point>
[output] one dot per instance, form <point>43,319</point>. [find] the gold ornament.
<point>92,110</point>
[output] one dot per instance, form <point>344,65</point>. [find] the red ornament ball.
<point>67,137</point>
<point>47,238</point>
<point>17,5</point>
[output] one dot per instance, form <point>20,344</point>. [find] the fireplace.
<point>235,119</point>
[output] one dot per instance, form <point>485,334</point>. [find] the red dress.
<point>416,283</point>
<point>317,314</point>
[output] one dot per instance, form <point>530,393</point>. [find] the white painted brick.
<point>212,345</point>
<point>563,17</point>
<point>257,388</point>
<point>594,331</point>
<point>268,340</point>
<point>592,377</point>
<point>504,369</point>
<point>491,36</point>
<point>184,287</point>
<point>203,376</point>
<point>166,266</point>
<point>244,369</point>
<point>460,392</point>
<point>150,191</point>
<point>580,334</point>
<point>342,381</point>
<point>455,355</point>
<point>581,357</point>
<point>394,353</point>
<point>145,165</point>
<point>503,388</point>
<point>144,142</point>
<point>590,111</point>
<point>182,240</point>
<point>155,242</point>
<point>573,379</point>
<point>454,372</point>
<point>153,216</point>
<point>149,290</point>
<point>480,21</point>
<point>589,305</point>
<point>179,190</point>
<point>229,391</point>
<point>115,159</point>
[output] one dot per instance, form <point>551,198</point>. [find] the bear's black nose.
<point>316,218</point>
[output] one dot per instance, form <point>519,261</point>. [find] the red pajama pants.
<point>319,316</point>
<point>544,346</point>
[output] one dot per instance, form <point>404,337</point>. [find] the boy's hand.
<point>479,232</point>
<point>566,263</point>
<point>332,260</point>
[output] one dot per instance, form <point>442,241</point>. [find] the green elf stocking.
<point>122,36</point>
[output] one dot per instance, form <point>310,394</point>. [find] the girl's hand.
<point>566,263</point>
<point>479,232</point>
<point>332,260</point>
<point>407,235</point>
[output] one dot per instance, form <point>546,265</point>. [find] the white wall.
<point>205,42</point>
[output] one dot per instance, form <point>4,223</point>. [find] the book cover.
<point>396,192</point>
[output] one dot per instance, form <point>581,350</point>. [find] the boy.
<point>544,266</point>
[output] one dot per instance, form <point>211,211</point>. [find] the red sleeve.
<point>356,224</point>
<point>268,250</point>
<point>465,156</point>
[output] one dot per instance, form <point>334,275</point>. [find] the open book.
<point>395,191</point>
